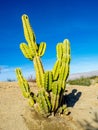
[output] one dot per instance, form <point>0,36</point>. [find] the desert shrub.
<point>93,77</point>
<point>82,81</point>
<point>31,79</point>
<point>10,80</point>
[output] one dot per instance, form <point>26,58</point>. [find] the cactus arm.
<point>56,69</point>
<point>65,72</point>
<point>25,87</point>
<point>62,73</point>
<point>27,52</point>
<point>23,83</point>
<point>31,101</point>
<point>59,49</point>
<point>42,102</point>
<point>29,33</point>
<point>39,70</point>
<point>57,66</point>
<point>66,48</point>
<point>41,49</point>
<point>48,79</point>
<point>54,94</point>
<point>47,101</point>
<point>65,61</point>
<point>57,94</point>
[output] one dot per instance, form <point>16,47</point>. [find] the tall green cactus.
<point>49,98</point>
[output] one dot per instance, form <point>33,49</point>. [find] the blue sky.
<point>52,21</point>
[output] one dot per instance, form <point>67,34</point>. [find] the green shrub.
<point>82,81</point>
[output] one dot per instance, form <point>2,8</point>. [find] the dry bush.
<point>31,79</point>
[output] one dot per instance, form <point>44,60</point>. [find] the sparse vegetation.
<point>96,79</point>
<point>10,80</point>
<point>31,79</point>
<point>93,77</point>
<point>82,81</point>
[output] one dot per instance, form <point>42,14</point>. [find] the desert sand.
<point>82,101</point>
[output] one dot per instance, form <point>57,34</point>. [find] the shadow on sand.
<point>72,98</point>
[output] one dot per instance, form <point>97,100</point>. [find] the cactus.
<point>39,70</point>
<point>49,98</point>
<point>47,82</point>
<point>24,87</point>
<point>42,48</point>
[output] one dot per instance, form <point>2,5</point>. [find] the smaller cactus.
<point>24,87</point>
<point>43,103</point>
<point>23,83</point>
<point>55,95</point>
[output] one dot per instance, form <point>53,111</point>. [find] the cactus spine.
<point>49,98</point>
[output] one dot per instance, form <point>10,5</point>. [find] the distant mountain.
<point>84,74</point>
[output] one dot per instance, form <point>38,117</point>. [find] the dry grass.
<point>31,79</point>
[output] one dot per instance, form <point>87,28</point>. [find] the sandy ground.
<point>82,103</point>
